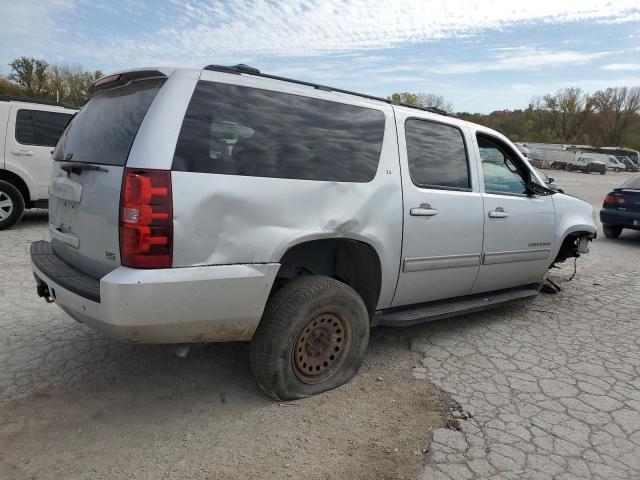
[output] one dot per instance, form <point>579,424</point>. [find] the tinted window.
<point>437,155</point>
<point>103,131</point>
<point>236,130</point>
<point>500,168</point>
<point>35,127</point>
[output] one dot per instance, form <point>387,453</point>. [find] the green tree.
<point>423,100</point>
<point>69,84</point>
<point>31,74</point>
<point>7,87</point>
<point>618,109</point>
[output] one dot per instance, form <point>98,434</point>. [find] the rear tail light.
<point>613,200</point>
<point>146,219</point>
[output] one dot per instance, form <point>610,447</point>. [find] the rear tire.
<point>569,168</point>
<point>616,170</point>
<point>611,231</point>
<point>602,172</point>
<point>312,337</point>
<point>11,205</point>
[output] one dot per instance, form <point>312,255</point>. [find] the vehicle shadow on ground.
<point>33,217</point>
<point>629,237</point>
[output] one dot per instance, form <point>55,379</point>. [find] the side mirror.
<point>551,179</point>
<point>536,189</point>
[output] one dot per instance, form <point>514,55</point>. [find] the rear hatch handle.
<point>77,167</point>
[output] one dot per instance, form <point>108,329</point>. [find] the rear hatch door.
<point>89,163</point>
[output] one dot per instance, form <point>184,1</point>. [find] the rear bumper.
<point>176,305</point>
<point>610,216</point>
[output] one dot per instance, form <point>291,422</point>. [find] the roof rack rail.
<point>242,68</point>
<point>13,98</point>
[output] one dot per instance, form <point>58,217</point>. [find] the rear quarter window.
<point>234,130</point>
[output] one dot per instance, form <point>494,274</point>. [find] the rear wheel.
<point>611,231</point>
<point>602,172</point>
<point>11,205</point>
<point>312,338</point>
<point>616,170</point>
<point>569,168</point>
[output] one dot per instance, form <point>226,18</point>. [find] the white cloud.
<point>621,66</point>
<point>521,60</point>
<point>29,26</point>
<point>202,30</point>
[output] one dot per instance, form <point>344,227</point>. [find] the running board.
<point>437,310</point>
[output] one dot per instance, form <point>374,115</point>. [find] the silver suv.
<point>225,204</point>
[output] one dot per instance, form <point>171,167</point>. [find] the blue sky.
<point>480,55</point>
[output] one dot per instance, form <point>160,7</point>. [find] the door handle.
<point>22,153</point>
<point>498,213</point>
<point>423,210</point>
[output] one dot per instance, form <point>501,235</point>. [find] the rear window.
<point>632,184</point>
<point>40,128</point>
<point>236,130</point>
<point>103,131</point>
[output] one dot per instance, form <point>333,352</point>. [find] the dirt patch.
<point>155,416</point>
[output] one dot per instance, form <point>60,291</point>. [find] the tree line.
<point>36,78</point>
<point>609,117</point>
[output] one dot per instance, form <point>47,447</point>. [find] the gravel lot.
<point>552,389</point>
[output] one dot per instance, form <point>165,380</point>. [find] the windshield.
<point>103,131</point>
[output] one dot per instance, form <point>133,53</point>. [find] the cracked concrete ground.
<point>545,389</point>
<point>552,387</point>
<point>552,390</point>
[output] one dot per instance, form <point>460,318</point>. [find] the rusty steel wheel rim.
<point>320,348</point>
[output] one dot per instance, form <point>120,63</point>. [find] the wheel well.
<point>350,261</point>
<point>570,245</point>
<point>17,182</point>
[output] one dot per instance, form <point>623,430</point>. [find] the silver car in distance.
<point>225,204</point>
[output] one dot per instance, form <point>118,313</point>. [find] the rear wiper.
<point>77,167</point>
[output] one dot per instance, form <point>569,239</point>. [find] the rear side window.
<point>36,127</point>
<point>103,131</point>
<point>236,130</point>
<point>437,155</point>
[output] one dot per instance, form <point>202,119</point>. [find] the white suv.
<point>29,129</point>
<point>224,204</point>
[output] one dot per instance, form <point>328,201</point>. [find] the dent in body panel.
<point>224,219</point>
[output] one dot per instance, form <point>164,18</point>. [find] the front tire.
<point>611,231</point>
<point>312,337</point>
<point>11,205</point>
